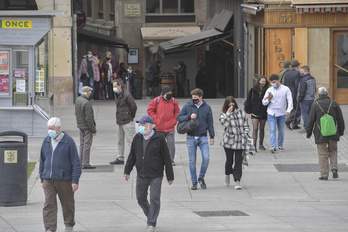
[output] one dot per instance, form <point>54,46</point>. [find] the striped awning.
<point>300,9</point>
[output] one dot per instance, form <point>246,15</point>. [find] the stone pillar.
<point>60,52</point>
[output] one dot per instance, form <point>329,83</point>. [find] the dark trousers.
<point>294,114</point>
<point>66,196</point>
<point>236,170</point>
<point>110,95</point>
<point>151,209</point>
<point>86,139</point>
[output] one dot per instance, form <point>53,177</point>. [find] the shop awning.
<point>31,13</point>
<point>216,29</point>
<point>101,39</point>
<point>300,9</point>
<point>252,8</point>
<point>167,33</point>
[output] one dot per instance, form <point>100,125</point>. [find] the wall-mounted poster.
<point>4,81</point>
<point>20,86</point>
<point>19,73</point>
<point>133,56</point>
<point>39,81</point>
<point>4,62</point>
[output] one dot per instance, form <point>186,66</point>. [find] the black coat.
<point>181,74</point>
<point>314,119</point>
<point>253,103</point>
<point>152,163</point>
<point>292,79</point>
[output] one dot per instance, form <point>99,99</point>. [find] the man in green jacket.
<point>287,67</point>
<point>85,122</point>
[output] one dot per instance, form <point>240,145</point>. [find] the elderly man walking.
<point>85,122</point>
<point>125,113</point>
<point>150,154</point>
<point>326,145</point>
<point>60,171</point>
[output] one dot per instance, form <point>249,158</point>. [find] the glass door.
<point>340,67</point>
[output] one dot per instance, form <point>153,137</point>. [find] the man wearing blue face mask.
<point>276,98</point>
<point>125,113</point>
<point>150,154</point>
<point>197,108</point>
<point>60,171</point>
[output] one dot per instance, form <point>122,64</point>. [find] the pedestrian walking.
<point>150,154</point>
<point>291,80</point>
<point>287,67</point>
<point>180,71</point>
<point>278,100</point>
<point>256,110</point>
<point>125,113</point>
<point>153,78</point>
<point>197,107</point>
<point>60,171</point>
<point>89,71</point>
<point>164,109</point>
<point>326,145</point>
<point>86,124</point>
<point>110,70</point>
<point>235,122</point>
<point>306,94</point>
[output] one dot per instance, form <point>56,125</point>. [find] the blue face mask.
<point>115,90</point>
<point>274,85</point>
<point>89,55</point>
<point>52,133</point>
<point>142,130</point>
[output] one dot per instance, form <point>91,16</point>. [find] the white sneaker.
<point>151,229</point>
<point>237,186</point>
<point>227,180</point>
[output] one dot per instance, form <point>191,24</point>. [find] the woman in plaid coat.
<point>234,139</point>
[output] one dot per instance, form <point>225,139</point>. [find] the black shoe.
<point>202,183</point>
<point>261,147</point>
<point>88,166</point>
<point>194,186</point>
<point>296,127</point>
<point>323,178</point>
<point>334,173</point>
<point>288,126</point>
<point>255,147</point>
<point>117,161</point>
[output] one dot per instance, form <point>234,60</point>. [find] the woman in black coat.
<point>257,111</point>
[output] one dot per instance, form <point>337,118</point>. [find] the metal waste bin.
<point>13,168</point>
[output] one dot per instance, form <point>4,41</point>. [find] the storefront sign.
<point>12,33</point>
<point>10,156</point>
<point>19,24</point>
<point>132,10</point>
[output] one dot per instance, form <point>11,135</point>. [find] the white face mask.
<point>129,70</point>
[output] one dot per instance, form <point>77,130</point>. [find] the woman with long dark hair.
<point>256,110</point>
<point>234,139</point>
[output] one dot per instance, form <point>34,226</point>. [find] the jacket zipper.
<point>51,161</point>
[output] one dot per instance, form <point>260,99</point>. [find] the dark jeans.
<point>66,196</point>
<point>90,82</point>
<point>152,209</point>
<point>294,114</point>
<point>110,92</point>
<point>237,170</point>
<point>305,109</point>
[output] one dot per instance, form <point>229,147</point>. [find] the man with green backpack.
<point>327,123</point>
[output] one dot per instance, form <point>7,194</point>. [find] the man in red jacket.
<point>164,109</point>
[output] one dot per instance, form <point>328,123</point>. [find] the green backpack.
<point>327,123</point>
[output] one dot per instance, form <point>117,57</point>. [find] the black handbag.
<point>188,126</point>
<point>83,77</point>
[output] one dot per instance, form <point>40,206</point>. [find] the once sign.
<point>16,24</point>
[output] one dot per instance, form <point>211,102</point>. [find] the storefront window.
<point>20,77</point>
<point>342,61</point>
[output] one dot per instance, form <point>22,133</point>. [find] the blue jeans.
<point>305,109</point>
<point>151,209</point>
<point>90,82</point>
<point>203,144</point>
<point>273,123</point>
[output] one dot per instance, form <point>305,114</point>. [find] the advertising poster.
<point>20,86</point>
<point>4,81</point>
<point>19,73</point>
<point>4,63</point>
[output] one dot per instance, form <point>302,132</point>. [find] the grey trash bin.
<point>13,169</point>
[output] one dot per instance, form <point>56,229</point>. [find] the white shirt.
<point>281,97</point>
<point>56,141</point>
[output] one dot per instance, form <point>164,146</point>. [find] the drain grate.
<point>220,213</point>
<point>101,168</point>
<point>305,167</point>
